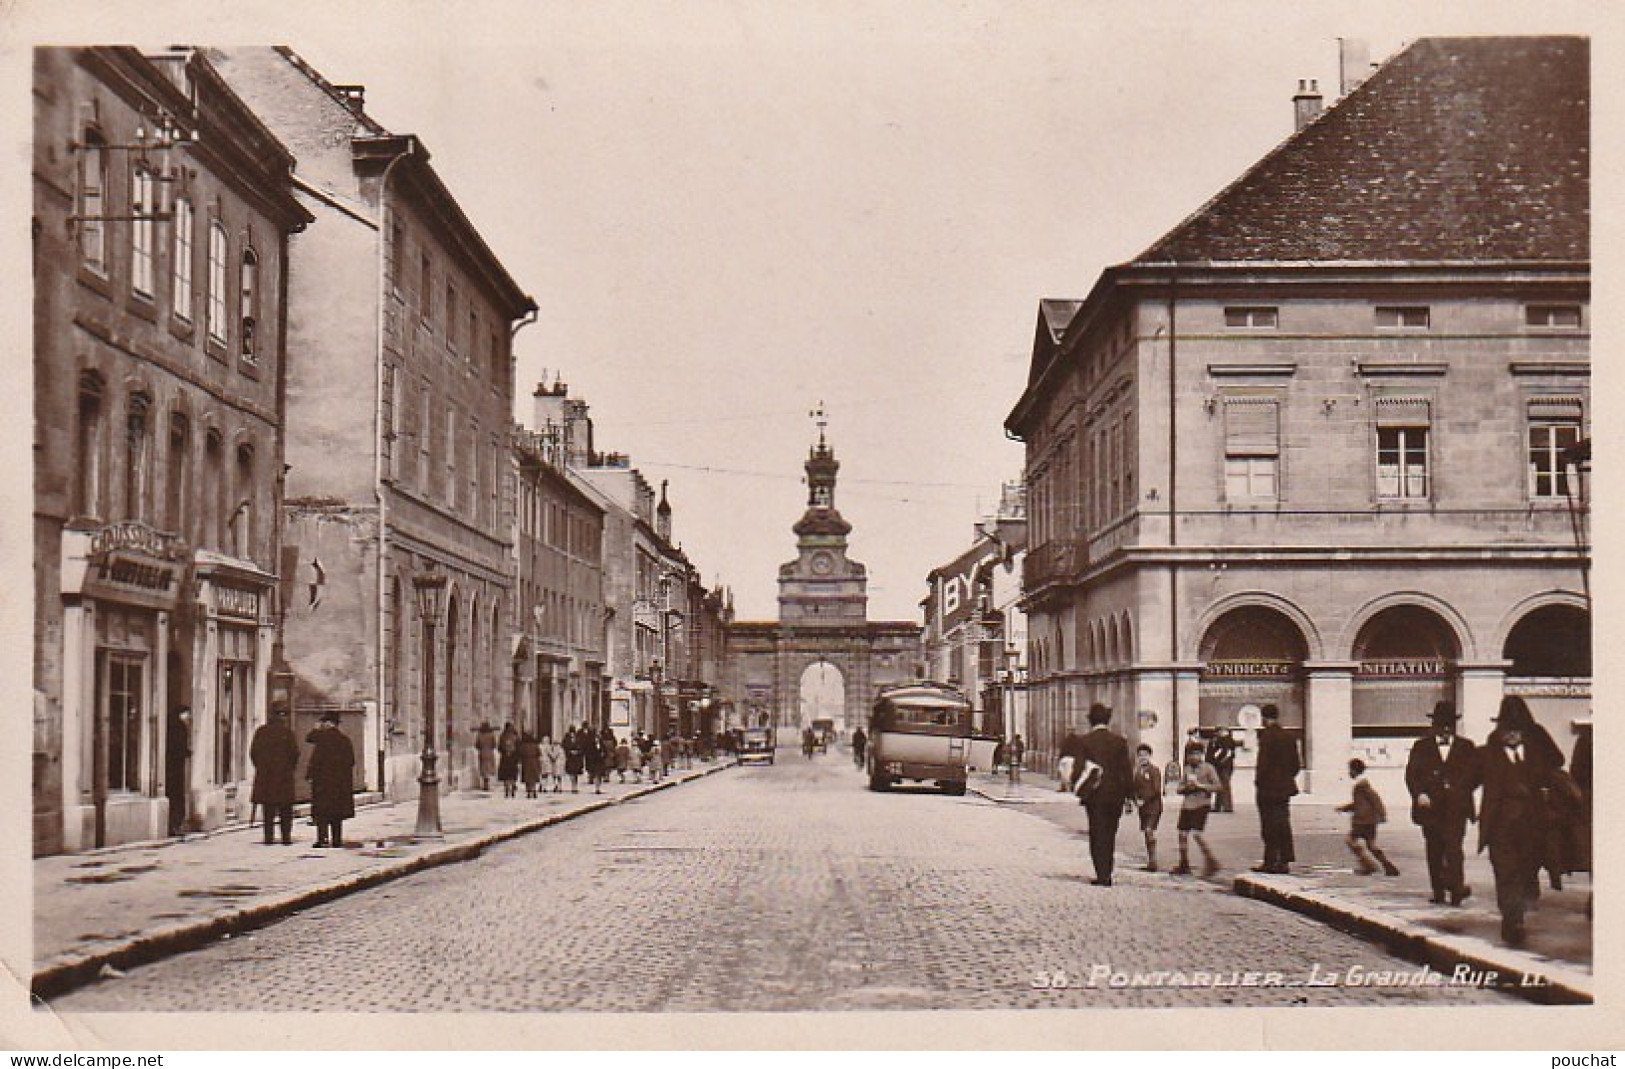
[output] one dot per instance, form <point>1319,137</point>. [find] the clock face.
<point>822,563</point>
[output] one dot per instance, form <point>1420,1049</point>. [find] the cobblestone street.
<point>784,887</point>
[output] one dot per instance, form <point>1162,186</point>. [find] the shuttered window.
<point>1251,427</point>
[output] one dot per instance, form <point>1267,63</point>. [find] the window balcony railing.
<point>1057,561</point>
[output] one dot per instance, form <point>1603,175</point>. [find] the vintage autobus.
<point>922,732</point>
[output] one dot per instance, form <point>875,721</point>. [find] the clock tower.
<point>821,587</point>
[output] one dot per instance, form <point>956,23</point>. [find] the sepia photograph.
<point>756,524</point>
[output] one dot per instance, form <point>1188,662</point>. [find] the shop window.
<point>233,703</point>
<point>1554,428</point>
<point>1405,662</point>
<point>1553,641</point>
<point>123,691</point>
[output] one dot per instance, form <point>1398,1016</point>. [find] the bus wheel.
<point>879,781</point>
<point>955,788</point>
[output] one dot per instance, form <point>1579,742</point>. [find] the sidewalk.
<point>119,907</point>
<point>1393,911</point>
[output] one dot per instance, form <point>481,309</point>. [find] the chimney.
<point>1354,63</point>
<point>1306,103</point>
<point>549,407</point>
<point>577,433</point>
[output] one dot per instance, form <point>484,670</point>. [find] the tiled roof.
<point>1456,149</point>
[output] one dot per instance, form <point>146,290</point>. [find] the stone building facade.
<point>162,211</point>
<point>400,402</point>
<point>1316,446</point>
<point>559,657</point>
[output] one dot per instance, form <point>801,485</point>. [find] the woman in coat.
<point>331,773</point>
<point>552,763</point>
<point>508,760</point>
<point>575,757</point>
<point>485,746</point>
<point>529,753</point>
<point>593,755</point>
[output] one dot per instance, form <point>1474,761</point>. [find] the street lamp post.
<point>431,587</point>
<point>658,725</point>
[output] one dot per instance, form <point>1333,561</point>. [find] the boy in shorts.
<point>1198,782</point>
<point>1147,794</point>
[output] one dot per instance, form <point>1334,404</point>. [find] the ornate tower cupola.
<point>821,586</point>
<point>822,467</point>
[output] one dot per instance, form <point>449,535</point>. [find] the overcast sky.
<point>729,212</point>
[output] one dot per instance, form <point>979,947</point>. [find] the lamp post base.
<point>428,827</point>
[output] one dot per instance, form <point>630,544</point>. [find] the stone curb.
<point>1528,976</point>
<point>75,970</point>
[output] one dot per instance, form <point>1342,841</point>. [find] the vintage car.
<point>756,745</point>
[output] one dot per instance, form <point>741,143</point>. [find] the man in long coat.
<point>1275,782</point>
<point>1516,774</point>
<point>1439,776</point>
<point>331,773</point>
<point>275,754</point>
<point>177,755</point>
<point>1104,747</point>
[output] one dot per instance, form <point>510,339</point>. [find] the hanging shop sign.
<point>234,601</point>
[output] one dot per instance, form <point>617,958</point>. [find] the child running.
<point>1366,812</point>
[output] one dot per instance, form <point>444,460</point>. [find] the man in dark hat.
<point>1274,783</point>
<point>1439,775</point>
<point>177,758</point>
<point>275,754</point>
<point>1516,771</point>
<point>330,771</point>
<point>1105,748</point>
